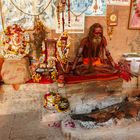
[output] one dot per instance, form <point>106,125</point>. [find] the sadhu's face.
<point>97,32</point>
<point>97,36</point>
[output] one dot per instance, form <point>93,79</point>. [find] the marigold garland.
<point>36,77</point>
<point>54,100</point>
<point>61,5</point>
<point>63,46</point>
<point>15,42</point>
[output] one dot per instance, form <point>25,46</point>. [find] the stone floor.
<point>22,112</point>
<point>27,126</point>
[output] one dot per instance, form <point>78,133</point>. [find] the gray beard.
<point>96,41</point>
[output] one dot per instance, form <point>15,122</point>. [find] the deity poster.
<point>76,24</point>
<point>26,11</point>
<point>9,11</point>
<point>49,15</point>
<point>89,7</point>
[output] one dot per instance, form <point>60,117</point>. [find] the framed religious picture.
<point>113,19</point>
<point>134,15</point>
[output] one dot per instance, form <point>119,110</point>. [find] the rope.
<point>29,13</point>
<point>79,13</point>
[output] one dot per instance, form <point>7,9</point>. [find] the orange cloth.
<point>95,61</point>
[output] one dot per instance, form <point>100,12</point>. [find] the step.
<point>124,130</point>
<point>28,97</point>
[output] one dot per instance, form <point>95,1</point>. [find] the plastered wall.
<point>123,39</point>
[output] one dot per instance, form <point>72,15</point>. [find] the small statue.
<point>63,46</point>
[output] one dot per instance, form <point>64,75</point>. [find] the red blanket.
<point>94,77</point>
<point>78,79</point>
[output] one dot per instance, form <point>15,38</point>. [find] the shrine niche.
<point>50,45</point>
<point>38,58</point>
<point>51,58</point>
